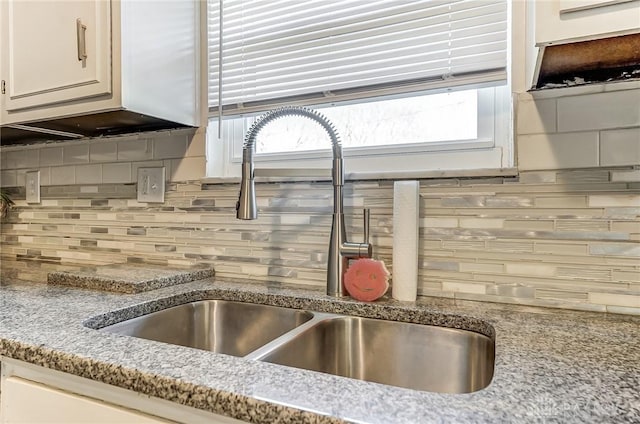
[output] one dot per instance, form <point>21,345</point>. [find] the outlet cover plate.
<point>151,185</point>
<point>32,186</point>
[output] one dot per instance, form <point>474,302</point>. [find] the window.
<point>409,85</point>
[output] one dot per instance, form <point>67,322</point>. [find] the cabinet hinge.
<point>3,87</point>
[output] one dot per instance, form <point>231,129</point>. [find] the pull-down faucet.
<point>340,250</point>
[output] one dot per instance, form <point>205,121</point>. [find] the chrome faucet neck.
<point>340,250</point>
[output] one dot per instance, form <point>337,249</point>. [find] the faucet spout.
<point>246,207</point>
<point>340,250</point>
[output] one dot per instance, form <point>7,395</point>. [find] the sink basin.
<point>221,326</point>
<point>415,356</point>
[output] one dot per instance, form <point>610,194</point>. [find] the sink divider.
<point>265,350</point>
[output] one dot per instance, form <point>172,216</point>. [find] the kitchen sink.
<point>415,356</point>
<point>220,326</point>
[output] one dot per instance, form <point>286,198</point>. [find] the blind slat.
<point>413,45</point>
<point>289,49</point>
<point>238,32</point>
<point>374,62</point>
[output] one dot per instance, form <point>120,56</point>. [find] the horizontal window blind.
<point>289,51</point>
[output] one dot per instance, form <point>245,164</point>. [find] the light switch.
<point>151,185</point>
<point>32,186</point>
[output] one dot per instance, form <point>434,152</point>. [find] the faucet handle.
<point>352,250</point>
<point>366,215</point>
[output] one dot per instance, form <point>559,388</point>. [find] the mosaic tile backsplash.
<point>568,238</point>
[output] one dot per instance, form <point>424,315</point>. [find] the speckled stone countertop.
<point>551,365</point>
<point>122,278</point>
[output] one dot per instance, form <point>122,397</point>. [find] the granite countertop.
<point>123,278</point>
<point>551,365</point>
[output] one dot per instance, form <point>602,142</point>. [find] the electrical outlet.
<point>32,186</point>
<point>151,185</point>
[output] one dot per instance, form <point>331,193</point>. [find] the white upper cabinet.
<point>563,21</point>
<point>55,51</point>
<point>73,58</point>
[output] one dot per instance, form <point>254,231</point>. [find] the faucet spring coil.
<point>270,116</point>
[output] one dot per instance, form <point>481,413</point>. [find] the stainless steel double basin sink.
<point>414,356</point>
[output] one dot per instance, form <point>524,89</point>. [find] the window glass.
<point>409,120</point>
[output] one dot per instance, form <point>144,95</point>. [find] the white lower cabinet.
<point>36,395</point>
<point>25,401</point>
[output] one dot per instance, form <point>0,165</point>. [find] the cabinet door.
<point>43,47</point>
<point>561,21</point>
<point>25,401</point>
<point>567,6</point>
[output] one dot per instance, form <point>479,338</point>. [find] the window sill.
<point>321,174</point>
